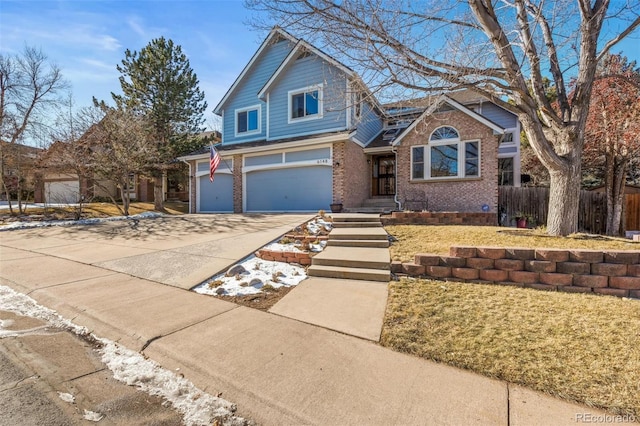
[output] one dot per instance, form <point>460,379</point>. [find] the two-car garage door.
<point>290,189</point>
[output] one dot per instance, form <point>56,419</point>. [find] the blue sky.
<point>87,39</point>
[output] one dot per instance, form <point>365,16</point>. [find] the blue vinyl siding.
<point>308,155</point>
<point>246,93</point>
<point>301,74</point>
<point>290,189</point>
<point>369,125</point>
<point>500,116</point>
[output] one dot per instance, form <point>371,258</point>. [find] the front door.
<point>384,175</point>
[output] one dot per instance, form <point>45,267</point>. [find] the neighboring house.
<point>300,131</point>
<point>18,168</point>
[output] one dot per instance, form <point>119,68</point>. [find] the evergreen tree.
<point>158,82</point>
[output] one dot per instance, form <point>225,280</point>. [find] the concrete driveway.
<point>180,251</point>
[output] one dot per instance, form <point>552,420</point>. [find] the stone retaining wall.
<point>440,218</point>
<point>614,273</point>
<point>284,256</point>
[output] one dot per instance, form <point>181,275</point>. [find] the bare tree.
<point>121,146</point>
<point>613,131</point>
<point>29,86</point>
<point>501,49</point>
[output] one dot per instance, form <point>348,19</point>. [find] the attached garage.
<point>62,192</point>
<point>294,189</point>
<point>216,196</point>
<point>291,181</point>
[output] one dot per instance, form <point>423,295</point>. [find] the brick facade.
<point>462,195</point>
<point>339,167</point>
<point>237,183</point>
<point>614,273</point>
<point>356,176</point>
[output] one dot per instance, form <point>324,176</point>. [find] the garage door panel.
<point>216,196</point>
<point>65,192</point>
<point>290,189</point>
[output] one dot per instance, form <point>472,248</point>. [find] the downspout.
<point>395,196</point>
<point>189,164</point>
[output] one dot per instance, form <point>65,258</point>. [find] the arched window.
<point>446,156</point>
<point>444,133</point>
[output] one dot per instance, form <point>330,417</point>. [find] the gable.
<point>273,50</point>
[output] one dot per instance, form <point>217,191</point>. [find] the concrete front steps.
<point>357,249</point>
<point>380,204</point>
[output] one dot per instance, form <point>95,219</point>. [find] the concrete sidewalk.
<point>277,370</point>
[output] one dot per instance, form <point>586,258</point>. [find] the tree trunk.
<point>158,196</point>
<point>614,184</point>
<point>564,200</point>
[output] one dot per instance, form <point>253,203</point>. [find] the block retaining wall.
<point>284,256</point>
<point>440,218</point>
<point>613,273</point>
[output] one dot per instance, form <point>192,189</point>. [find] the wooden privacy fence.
<point>632,216</point>
<point>534,202</point>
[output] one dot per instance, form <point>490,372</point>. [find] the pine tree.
<point>158,82</point>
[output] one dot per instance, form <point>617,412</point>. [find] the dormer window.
<point>305,104</point>
<point>248,120</point>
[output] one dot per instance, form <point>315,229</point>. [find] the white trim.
<point>275,147</point>
<point>348,104</point>
<point>222,132</point>
<point>268,117</point>
<point>265,43</point>
<point>323,162</point>
<point>315,132</point>
<point>248,132</point>
<point>280,150</point>
<point>377,150</point>
<point>304,90</point>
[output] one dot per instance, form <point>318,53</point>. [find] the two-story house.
<point>300,131</point>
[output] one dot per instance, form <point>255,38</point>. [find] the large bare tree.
<point>29,87</point>
<point>502,49</point>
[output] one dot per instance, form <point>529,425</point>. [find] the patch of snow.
<point>275,274</point>
<point>92,416</point>
<point>317,224</point>
<point>92,221</point>
<point>317,247</point>
<point>196,406</point>
<point>67,397</point>
<point>291,247</point>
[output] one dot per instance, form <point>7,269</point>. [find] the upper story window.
<point>507,138</point>
<point>446,156</point>
<point>248,120</point>
<point>305,104</point>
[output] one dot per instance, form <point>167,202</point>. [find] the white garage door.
<point>65,192</point>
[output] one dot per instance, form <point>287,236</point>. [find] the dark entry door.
<point>384,175</point>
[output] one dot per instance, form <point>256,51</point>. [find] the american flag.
<point>214,162</point>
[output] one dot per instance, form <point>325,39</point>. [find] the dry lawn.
<point>414,239</point>
<point>583,348</point>
<point>92,210</point>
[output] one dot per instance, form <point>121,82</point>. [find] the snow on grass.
<point>46,223</point>
<point>196,406</point>
<point>317,224</point>
<point>254,273</point>
<point>67,397</point>
<point>92,416</point>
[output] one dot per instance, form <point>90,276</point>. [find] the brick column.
<point>237,183</point>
